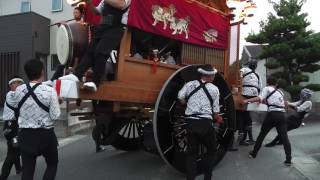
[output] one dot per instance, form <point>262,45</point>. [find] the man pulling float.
<point>301,108</point>
<point>202,99</point>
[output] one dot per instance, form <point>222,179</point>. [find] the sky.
<point>263,8</point>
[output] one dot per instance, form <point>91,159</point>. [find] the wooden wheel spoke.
<point>124,130</point>
<point>134,130</point>
<point>168,149</point>
<point>130,130</point>
<point>227,96</point>
<point>137,129</point>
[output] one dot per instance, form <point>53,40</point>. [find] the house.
<point>28,34</point>
<point>22,19</point>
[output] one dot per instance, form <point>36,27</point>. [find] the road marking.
<point>66,141</point>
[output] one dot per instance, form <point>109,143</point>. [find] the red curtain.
<point>186,21</point>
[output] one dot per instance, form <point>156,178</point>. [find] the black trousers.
<point>36,142</point>
<point>99,51</point>
<point>293,122</point>
<point>245,126</point>
<point>245,121</point>
<point>200,132</point>
<point>59,72</point>
<point>103,120</point>
<point>274,119</point>
<point>13,158</point>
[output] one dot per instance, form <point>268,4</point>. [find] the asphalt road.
<point>78,160</point>
<point>307,139</point>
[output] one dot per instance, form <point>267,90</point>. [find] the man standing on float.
<point>105,37</point>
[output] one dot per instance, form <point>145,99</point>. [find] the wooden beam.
<point>123,92</point>
<point>124,52</point>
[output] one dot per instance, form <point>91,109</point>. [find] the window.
<point>54,62</point>
<point>56,5</point>
<point>25,6</point>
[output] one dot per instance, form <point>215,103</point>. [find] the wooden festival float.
<point>140,103</point>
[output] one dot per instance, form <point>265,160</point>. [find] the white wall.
<point>42,7</point>
<point>233,56</point>
<point>9,7</point>
<point>262,71</point>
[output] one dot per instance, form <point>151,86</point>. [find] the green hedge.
<point>314,87</point>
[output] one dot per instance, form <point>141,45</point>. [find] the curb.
<point>69,140</point>
<point>306,165</point>
<point>63,142</point>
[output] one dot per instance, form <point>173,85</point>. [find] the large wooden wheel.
<point>169,127</point>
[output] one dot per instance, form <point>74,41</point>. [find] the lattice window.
<point>192,54</point>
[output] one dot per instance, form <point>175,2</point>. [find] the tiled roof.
<point>254,50</point>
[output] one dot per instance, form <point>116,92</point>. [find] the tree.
<point>289,45</point>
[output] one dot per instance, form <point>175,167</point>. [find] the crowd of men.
<point>32,107</point>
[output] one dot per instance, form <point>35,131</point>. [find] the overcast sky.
<point>263,7</point>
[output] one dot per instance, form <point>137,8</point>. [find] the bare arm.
<point>217,118</point>
<point>182,101</point>
<point>119,4</point>
<point>263,95</point>
<point>255,99</point>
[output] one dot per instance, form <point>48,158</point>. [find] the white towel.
<point>68,89</point>
<point>70,77</point>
